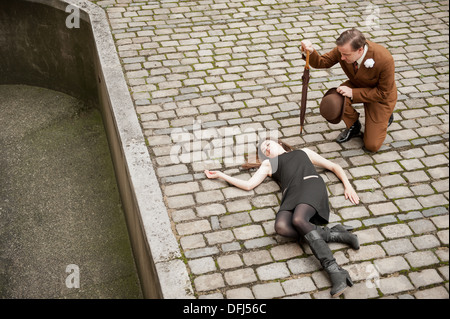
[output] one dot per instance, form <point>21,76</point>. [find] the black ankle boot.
<point>340,278</point>
<point>339,234</point>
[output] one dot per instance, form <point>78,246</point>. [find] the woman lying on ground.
<point>304,202</point>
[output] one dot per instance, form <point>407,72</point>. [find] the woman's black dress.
<point>300,183</point>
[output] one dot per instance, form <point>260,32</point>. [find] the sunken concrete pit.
<point>42,45</point>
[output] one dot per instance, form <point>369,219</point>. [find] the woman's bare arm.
<point>259,176</point>
<point>320,161</point>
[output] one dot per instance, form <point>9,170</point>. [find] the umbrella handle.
<point>307,60</point>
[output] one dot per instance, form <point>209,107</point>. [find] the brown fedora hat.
<point>332,106</point>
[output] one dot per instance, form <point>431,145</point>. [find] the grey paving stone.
<point>193,227</point>
<point>391,180</point>
<point>259,242</point>
<point>421,258</point>
<point>372,197</point>
<point>444,271</point>
<point>383,208</point>
<point>425,277</point>
<point>425,242</point>
<point>421,226</point>
<point>233,220</point>
<point>209,282</point>
<point>286,251</point>
<point>268,291</point>
<point>410,215</point>
<point>202,265</point>
<point>432,200</point>
<point>303,265</point>
<point>229,261</point>
<point>219,237</point>
<point>398,192</point>
<point>257,257</point>
<point>407,204</point>
<point>440,221</point>
<point>262,214</point>
<point>435,211</point>
<point>191,242</point>
<point>273,271</point>
<point>300,285</point>
<point>240,276</point>
<point>247,232</point>
<point>380,220</point>
<point>233,246</point>
<point>394,285</point>
<point>363,171</point>
<point>443,236</point>
<point>396,231</point>
<point>201,252</point>
<point>361,290</point>
<point>391,265</point>
<point>210,210</point>
<point>240,293</point>
<point>369,235</point>
<point>366,253</point>
<point>398,246</point>
<point>432,293</point>
<point>354,212</point>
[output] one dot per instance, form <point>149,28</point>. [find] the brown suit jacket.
<point>370,85</point>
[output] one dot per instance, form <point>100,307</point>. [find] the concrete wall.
<point>37,48</point>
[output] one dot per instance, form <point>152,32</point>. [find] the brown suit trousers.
<point>374,86</point>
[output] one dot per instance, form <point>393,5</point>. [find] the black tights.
<point>295,223</point>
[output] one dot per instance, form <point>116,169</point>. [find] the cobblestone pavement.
<point>208,77</point>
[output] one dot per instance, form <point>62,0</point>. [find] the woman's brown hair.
<point>260,157</point>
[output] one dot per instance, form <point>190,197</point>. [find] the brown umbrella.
<point>305,81</point>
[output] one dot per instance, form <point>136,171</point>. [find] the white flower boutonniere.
<point>369,63</point>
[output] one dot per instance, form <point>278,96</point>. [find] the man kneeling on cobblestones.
<point>371,80</point>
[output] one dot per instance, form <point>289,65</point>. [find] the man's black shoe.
<point>349,133</point>
<point>391,119</point>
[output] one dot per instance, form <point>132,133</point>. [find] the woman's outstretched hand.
<point>212,174</point>
<point>351,195</point>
